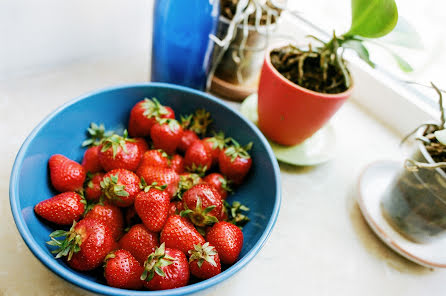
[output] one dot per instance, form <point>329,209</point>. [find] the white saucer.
<point>372,184</point>
<point>315,150</point>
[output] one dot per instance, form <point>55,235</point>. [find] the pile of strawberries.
<point>149,205</point>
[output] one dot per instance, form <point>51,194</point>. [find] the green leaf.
<point>360,49</point>
<point>373,18</point>
<point>441,136</point>
<point>402,63</point>
<point>404,34</point>
<point>159,271</point>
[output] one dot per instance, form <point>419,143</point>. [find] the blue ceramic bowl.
<point>64,130</point>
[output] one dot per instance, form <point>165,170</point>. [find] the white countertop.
<point>320,245</point>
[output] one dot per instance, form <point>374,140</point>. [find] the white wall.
<point>36,35</point>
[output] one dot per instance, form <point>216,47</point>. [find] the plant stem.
<point>442,119</point>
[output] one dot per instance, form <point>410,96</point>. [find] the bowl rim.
<point>95,287</point>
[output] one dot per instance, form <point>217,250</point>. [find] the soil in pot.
<point>304,68</point>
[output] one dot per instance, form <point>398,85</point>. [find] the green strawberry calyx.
<point>145,187</point>
<point>203,253</point>
<point>115,141</point>
<point>200,122</point>
<point>187,181</point>
<point>153,108</point>
<point>97,134</point>
<point>235,150</point>
<point>155,262</point>
<point>225,184</point>
<point>199,216</point>
<point>171,123</point>
<point>186,121</point>
<point>200,170</point>
<point>235,215</point>
<point>68,246</point>
<point>218,140</point>
<point>112,189</point>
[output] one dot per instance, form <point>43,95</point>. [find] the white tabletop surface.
<point>321,245</point>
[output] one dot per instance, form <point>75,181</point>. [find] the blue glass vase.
<point>181,48</point>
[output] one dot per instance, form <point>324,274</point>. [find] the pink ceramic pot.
<point>289,113</point>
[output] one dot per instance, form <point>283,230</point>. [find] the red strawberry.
<point>166,135</point>
<point>66,174</point>
<point>235,162</point>
<point>118,152</point>
<point>93,190</point>
<point>110,215</point>
<point>215,144</point>
<point>176,207</point>
<point>139,241</point>
<point>122,270</point>
<point>61,209</point>
<point>198,158</point>
<point>90,162</point>
<point>120,187</point>
<point>165,268</point>
<point>187,138</point>
<point>157,158</point>
<point>144,115</point>
<point>161,176</point>
<point>219,182</point>
<point>86,244</point>
<point>203,205</point>
<point>187,181</point>
<point>177,164</point>
<point>152,205</point>
<point>204,262</point>
<point>227,239</point>
<point>180,234</point>
<point>142,144</point>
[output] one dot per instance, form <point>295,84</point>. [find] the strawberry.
<point>227,239</point>
<point>166,135</point>
<point>175,207</point>
<point>156,158</point>
<point>188,137</point>
<point>110,215</point>
<point>122,270</point>
<point>97,134</point>
<point>179,233</point>
<point>66,174</point>
<point>144,115</point>
<point>142,144</point>
<point>198,158</point>
<point>165,268</point>
<point>215,144</point>
<point>177,163</point>
<point>139,241</point>
<point>204,261</point>
<point>90,162</point>
<point>152,205</point>
<point>203,205</point>
<point>120,186</point>
<point>61,209</point>
<point>93,190</point>
<point>86,244</point>
<point>198,122</point>
<point>187,181</point>
<point>235,162</point>
<point>118,152</point>
<point>160,176</point>
<point>220,183</point>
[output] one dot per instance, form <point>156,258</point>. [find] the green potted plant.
<point>415,202</point>
<point>243,34</point>
<point>301,88</point>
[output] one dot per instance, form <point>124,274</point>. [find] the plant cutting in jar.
<point>415,202</point>
<point>243,34</point>
<point>301,88</point>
